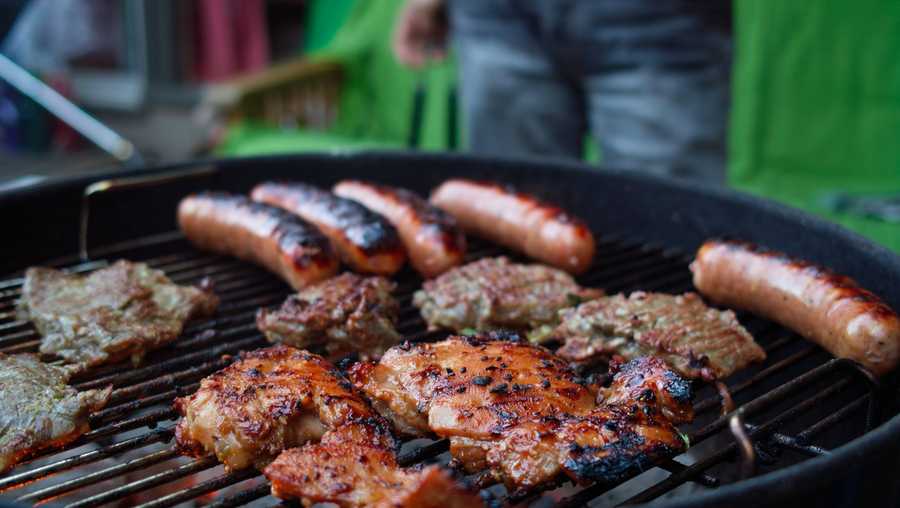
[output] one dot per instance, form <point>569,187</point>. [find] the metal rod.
<point>51,100</point>
<point>98,476</point>
<point>146,483</point>
<point>202,488</point>
<point>84,458</point>
<point>744,444</point>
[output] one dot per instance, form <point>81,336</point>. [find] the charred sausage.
<point>363,239</point>
<point>433,240</point>
<point>824,307</point>
<point>262,234</point>
<point>518,221</point>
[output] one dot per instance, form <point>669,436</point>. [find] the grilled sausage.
<point>434,241</point>
<point>363,239</point>
<point>262,234</point>
<point>826,308</point>
<point>518,221</point>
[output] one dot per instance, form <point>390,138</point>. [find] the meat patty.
<point>697,341</point>
<point>38,410</point>
<point>494,293</point>
<point>114,313</point>
<point>517,410</point>
<point>345,314</point>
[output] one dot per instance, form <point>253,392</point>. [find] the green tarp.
<point>816,106</point>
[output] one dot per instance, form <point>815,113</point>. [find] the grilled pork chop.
<point>117,312</point>
<point>38,410</point>
<point>697,341</point>
<point>277,398</point>
<point>493,293</point>
<point>345,314</point>
<point>516,409</point>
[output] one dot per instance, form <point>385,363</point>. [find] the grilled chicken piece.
<point>38,410</point>
<point>345,314</point>
<point>117,312</point>
<point>516,409</point>
<point>697,341</point>
<point>493,293</point>
<point>348,467</point>
<point>277,398</point>
<point>269,400</point>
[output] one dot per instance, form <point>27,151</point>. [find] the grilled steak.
<point>517,410</point>
<point>38,410</point>
<point>493,293</point>
<point>117,312</point>
<point>697,341</point>
<point>345,314</point>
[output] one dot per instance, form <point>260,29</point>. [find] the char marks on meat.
<point>345,314</point>
<point>516,409</point>
<point>494,293</point>
<point>117,312</point>
<point>327,442</point>
<point>269,400</point>
<point>697,341</point>
<point>38,410</point>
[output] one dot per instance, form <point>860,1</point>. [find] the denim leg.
<point>514,101</point>
<point>666,121</point>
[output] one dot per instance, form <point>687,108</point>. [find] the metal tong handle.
<point>114,184</point>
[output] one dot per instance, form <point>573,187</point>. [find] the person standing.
<point>648,79</point>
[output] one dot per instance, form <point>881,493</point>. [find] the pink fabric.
<point>231,38</point>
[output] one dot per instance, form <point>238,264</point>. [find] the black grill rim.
<point>667,212</point>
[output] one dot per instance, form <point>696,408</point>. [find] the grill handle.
<point>116,184</point>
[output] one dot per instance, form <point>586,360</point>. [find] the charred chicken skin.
<point>277,398</point>
<point>517,410</point>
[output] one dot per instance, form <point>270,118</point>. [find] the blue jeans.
<point>649,79</point>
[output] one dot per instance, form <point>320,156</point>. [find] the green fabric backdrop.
<point>816,105</point>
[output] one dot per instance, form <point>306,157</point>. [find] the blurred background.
<point>795,101</point>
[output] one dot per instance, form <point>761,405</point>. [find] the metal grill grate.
<point>796,405</point>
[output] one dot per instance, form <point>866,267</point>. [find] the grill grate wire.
<point>778,398</point>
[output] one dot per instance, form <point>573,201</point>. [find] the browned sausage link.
<point>363,239</point>
<point>262,234</point>
<point>518,221</point>
<point>434,241</point>
<point>826,308</point>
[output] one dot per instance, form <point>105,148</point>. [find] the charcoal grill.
<point>806,428</point>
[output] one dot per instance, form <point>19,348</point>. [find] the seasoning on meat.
<point>345,314</point>
<point>526,438</point>
<point>493,293</point>
<point>117,312</point>
<point>697,341</point>
<point>38,410</point>
<point>352,467</point>
<point>274,399</point>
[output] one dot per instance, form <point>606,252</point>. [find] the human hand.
<point>421,32</point>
